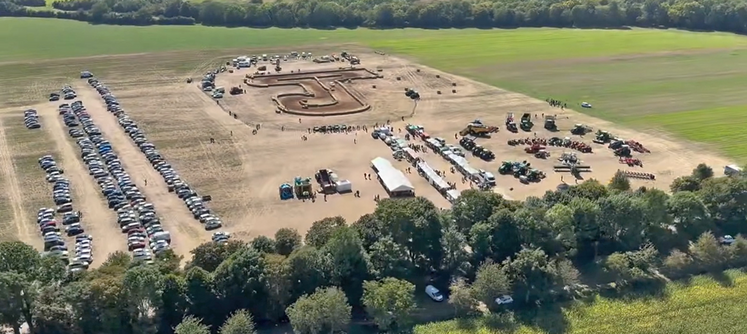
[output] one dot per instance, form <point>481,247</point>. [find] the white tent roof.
<point>394,180</point>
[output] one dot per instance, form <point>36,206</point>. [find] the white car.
<point>432,292</point>
<point>585,105</point>
<point>503,300</point>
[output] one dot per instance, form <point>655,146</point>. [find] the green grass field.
<point>702,305</point>
<point>683,82</point>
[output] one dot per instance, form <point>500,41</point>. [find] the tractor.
<point>236,91</point>
<point>623,151</point>
<point>467,142</point>
<point>580,129</point>
<point>506,168</point>
<point>542,154</point>
<point>550,123</point>
<point>526,122</point>
<point>535,175</point>
<point>603,137</point>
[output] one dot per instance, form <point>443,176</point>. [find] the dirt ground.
<point>321,92</point>
<point>242,171</point>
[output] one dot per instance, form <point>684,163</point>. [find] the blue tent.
<point>286,191</point>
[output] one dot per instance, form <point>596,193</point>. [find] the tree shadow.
<point>722,278</point>
<point>548,318</point>
<point>648,290</point>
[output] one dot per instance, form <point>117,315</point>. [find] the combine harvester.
<point>478,129</point>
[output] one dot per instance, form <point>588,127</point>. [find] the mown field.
<point>701,305</point>
<point>685,83</point>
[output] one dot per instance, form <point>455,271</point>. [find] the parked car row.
<point>68,93</point>
<point>54,244</point>
<point>135,216</point>
<point>31,119</point>
<point>194,202</point>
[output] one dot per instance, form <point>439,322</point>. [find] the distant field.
<point>627,75</point>
<point>703,305</point>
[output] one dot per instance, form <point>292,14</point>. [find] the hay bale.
<point>418,70</point>
<point>438,92</point>
<point>438,76</point>
<point>453,91</point>
<point>406,89</point>
<point>453,84</point>
<point>398,78</point>
<point>374,86</point>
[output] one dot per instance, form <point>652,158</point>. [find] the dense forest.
<point>574,242</point>
<point>722,15</point>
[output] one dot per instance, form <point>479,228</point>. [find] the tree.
<point>201,295</point>
<point>490,283</point>
<point>98,11</point>
<point>454,245</point>
<point>210,255</point>
<point>389,301</point>
<point>263,244</point>
<point>702,172</point>
<point>690,215</point>
<point>321,230</point>
<point>677,264</point>
<point>632,267</point>
<point>14,305</point>
<point>462,298</point>
<point>534,276</point>
<point>240,322</point>
<point>287,240</point>
<point>349,263</point>
<point>173,302</point>
<point>325,311</point>
<point>308,269</point>
<point>18,257</point>
<point>240,282</point>
<point>708,253</point>
<point>620,182</point>
<point>475,206</point>
<point>191,325</point>
<point>685,183</point>
<point>389,259</point>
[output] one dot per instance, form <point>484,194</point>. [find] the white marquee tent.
<point>394,180</point>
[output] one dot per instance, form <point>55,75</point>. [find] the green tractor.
<point>603,137</point>
<point>526,122</point>
<point>506,168</point>
<point>535,175</point>
<point>580,129</point>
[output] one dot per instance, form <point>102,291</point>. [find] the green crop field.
<point>702,305</point>
<point>683,82</point>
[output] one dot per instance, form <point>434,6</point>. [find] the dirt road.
<point>185,230</point>
<point>98,220</point>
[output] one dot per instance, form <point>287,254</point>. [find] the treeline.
<point>722,15</point>
<point>483,248</point>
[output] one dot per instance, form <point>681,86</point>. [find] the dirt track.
<point>21,222</point>
<point>324,92</point>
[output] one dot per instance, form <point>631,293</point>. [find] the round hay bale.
<point>406,89</point>
<point>418,70</point>
<point>453,84</point>
<point>438,92</point>
<point>438,75</point>
<point>398,78</point>
<point>374,86</point>
<point>453,91</point>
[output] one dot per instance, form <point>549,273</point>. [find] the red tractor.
<point>534,148</point>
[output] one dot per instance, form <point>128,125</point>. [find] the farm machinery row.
<point>522,170</point>
<point>537,143</point>
<point>525,123</point>
<point>604,137</point>
<point>483,153</point>
<point>569,162</point>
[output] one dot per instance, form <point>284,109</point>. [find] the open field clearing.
<point>625,75</point>
<point>702,305</point>
<point>241,167</point>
